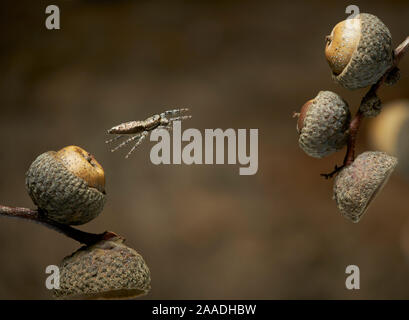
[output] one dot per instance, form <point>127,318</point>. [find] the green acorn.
<point>322,124</point>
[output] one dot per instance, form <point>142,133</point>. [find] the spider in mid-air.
<point>140,129</point>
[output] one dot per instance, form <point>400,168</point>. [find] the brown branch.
<point>400,51</point>
<point>332,173</point>
<point>353,132</point>
<point>39,217</point>
<point>354,125</point>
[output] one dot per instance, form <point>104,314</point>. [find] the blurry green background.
<point>205,231</point>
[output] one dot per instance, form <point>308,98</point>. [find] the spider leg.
<point>167,127</point>
<point>179,118</point>
<point>115,138</point>
<point>173,112</point>
<point>126,142</point>
<point>138,142</point>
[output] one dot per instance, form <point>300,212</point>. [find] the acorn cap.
<point>323,124</point>
<point>372,57</point>
<point>371,106</point>
<point>357,185</point>
<point>62,196</point>
<point>106,270</point>
<point>392,77</point>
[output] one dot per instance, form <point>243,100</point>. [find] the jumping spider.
<point>141,129</point>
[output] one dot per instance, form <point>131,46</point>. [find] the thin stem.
<point>38,217</point>
<point>354,125</point>
<point>353,132</point>
<point>400,51</point>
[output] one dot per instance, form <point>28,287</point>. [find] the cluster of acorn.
<point>68,187</point>
<point>359,52</point>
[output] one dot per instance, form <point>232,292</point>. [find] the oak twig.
<point>39,217</point>
<point>355,123</point>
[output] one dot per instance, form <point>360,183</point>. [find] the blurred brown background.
<point>205,231</point>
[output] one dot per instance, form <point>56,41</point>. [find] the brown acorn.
<point>359,51</point>
<point>323,124</point>
<point>357,185</point>
<point>68,186</point>
<point>106,270</point>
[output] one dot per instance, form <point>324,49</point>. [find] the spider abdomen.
<point>128,127</point>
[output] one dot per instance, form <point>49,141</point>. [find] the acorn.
<point>68,186</point>
<point>392,77</point>
<point>371,106</point>
<point>323,124</point>
<point>106,270</point>
<point>389,132</point>
<point>359,51</point>
<point>357,185</point>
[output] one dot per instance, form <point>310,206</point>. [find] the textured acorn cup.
<point>371,106</point>
<point>68,185</point>
<point>359,51</point>
<point>106,270</point>
<point>357,185</point>
<point>322,124</point>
